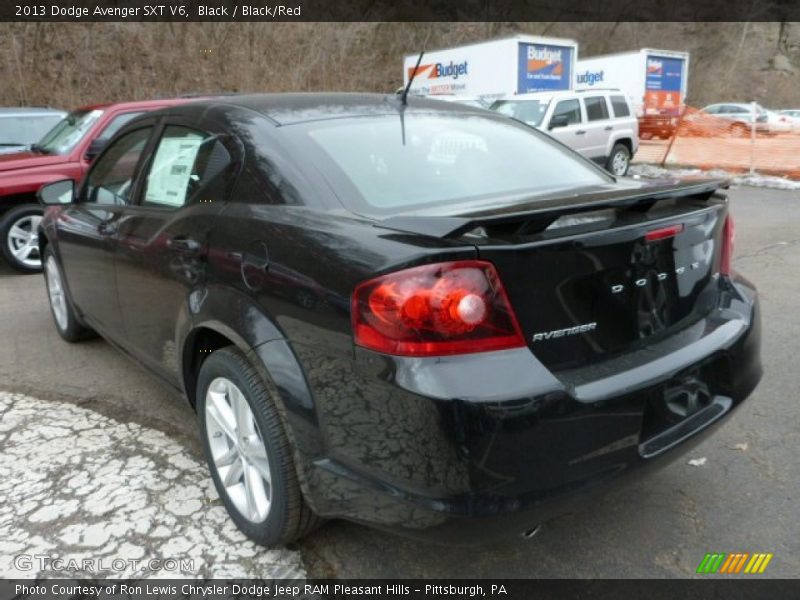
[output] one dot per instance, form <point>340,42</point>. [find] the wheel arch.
<point>625,141</point>
<point>227,317</point>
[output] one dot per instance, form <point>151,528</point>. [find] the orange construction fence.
<point>695,139</point>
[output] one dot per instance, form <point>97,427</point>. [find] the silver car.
<point>599,124</point>
<point>22,127</point>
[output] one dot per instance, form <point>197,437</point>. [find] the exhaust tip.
<point>530,533</point>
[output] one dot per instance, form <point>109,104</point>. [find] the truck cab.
<point>598,124</point>
<point>65,152</point>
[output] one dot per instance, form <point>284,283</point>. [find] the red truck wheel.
<point>19,238</point>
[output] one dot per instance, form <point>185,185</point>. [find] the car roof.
<point>290,108</point>
<point>151,104</point>
<point>16,111</point>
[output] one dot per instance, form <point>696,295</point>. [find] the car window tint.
<point>620,106</point>
<point>116,124</point>
<point>111,179</point>
<point>184,164</point>
<point>571,108</point>
<point>596,108</point>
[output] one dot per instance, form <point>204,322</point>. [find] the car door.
<point>162,240</point>
<point>86,229</point>
<point>598,127</point>
<point>574,134</point>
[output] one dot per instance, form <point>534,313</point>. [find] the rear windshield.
<point>527,111</point>
<point>384,165</point>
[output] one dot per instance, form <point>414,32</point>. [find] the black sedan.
<point>424,317</point>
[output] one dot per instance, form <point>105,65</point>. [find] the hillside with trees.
<point>70,64</point>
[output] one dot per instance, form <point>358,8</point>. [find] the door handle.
<point>608,128</point>
<point>580,132</point>
<point>184,244</point>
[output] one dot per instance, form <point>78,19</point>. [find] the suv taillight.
<point>433,310</point>
<point>727,246</point>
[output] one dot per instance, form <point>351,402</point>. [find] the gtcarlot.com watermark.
<point>45,562</point>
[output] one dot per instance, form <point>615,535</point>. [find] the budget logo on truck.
<point>544,67</point>
<point>663,85</point>
<point>451,70</point>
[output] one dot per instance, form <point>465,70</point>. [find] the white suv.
<point>598,124</point>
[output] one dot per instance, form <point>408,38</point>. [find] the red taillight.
<point>663,233</point>
<point>433,310</point>
<point>727,247</point>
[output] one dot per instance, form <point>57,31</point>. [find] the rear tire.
<point>248,452</point>
<point>619,161</point>
<point>19,238</point>
<point>68,325</point>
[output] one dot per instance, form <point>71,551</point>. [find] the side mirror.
<point>95,148</point>
<point>558,121</point>
<point>57,192</point>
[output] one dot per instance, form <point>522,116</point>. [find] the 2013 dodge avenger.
<point>416,315</point>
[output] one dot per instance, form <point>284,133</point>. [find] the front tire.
<point>19,238</point>
<point>248,453</point>
<point>619,161</point>
<point>65,318</point>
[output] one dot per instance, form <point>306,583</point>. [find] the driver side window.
<point>571,108</point>
<point>111,179</point>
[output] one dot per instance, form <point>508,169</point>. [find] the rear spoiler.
<point>539,213</point>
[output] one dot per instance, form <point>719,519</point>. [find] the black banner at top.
<point>398,10</point>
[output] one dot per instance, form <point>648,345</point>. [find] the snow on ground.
<point>78,485</point>
<point>737,179</point>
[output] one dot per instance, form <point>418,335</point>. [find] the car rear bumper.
<point>471,448</point>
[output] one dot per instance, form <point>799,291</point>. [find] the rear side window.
<point>596,109</point>
<point>571,108</point>
<point>620,106</point>
<point>185,165</point>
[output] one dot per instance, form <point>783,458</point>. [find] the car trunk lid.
<point>590,278</point>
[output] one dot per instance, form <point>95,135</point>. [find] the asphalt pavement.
<point>97,459</point>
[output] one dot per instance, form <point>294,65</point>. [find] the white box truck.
<point>655,82</point>
<point>495,68</point>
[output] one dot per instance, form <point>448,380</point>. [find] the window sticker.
<point>168,182</point>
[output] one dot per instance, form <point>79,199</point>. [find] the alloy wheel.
<point>238,452</point>
<point>23,241</point>
<point>55,291</point>
<point>619,165</point>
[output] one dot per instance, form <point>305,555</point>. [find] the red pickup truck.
<point>63,153</point>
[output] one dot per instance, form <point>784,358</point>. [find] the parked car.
<point>794,113</point>
<point>778,122</point>
<point>741,115</point>
<point>63,152</point>
<point>21,127</point>
<point>599,124</point>
<point>492,325</point>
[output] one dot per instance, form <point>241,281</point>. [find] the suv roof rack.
<point>598,90</point>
